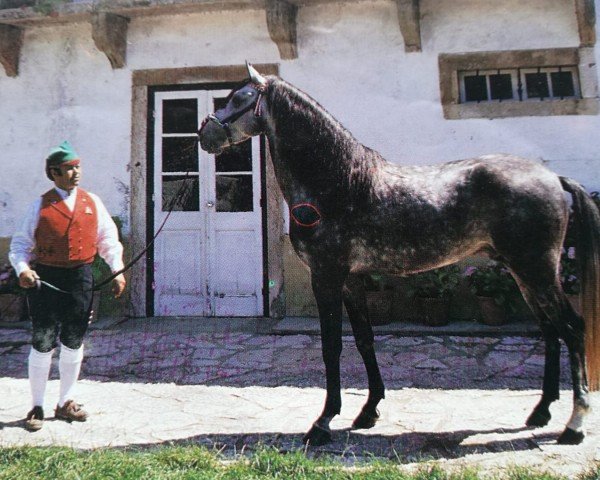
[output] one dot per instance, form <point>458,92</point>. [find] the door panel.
<point>178,263</point>
<point>209,254</point>
<point>235,280</point>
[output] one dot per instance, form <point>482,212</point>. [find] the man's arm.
<point>110,248</point>
<point>22,245</point>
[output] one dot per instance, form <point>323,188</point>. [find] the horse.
<point>353,213</point>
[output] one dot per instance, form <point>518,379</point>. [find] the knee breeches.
<point>56,315</point>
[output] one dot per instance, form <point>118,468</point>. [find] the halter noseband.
<point>227,121</point>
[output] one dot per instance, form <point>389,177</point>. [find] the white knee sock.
<point>69,365</point>
<point>38,368</point>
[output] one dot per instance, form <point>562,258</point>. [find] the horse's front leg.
<point>356,306</point>
<point>328,294</point>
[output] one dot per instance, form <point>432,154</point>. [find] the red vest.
<point>64,238</point>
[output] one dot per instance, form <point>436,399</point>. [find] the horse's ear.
<point>254,76</point>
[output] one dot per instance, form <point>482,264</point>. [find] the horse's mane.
<point>336,149</point>
<point>296,107</point>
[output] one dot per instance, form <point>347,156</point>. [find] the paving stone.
<point>239,390</point>
<point>431,364</point>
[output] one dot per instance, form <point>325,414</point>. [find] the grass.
<point>194,462</point>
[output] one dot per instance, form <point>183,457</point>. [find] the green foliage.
<point>199,463</point>
<point>437,283</point>
<point>376,282</point>
<point>493,280</point>
<point>592,473</point>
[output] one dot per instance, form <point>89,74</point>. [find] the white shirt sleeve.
<point>109,247</point>
<point>23,241</point>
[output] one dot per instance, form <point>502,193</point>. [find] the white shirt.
<point>23,241</point>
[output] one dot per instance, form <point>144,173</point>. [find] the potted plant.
<point>432,291</point>
<point>378,295</point>
<point>495,289</point>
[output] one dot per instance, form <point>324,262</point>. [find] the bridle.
<point>226,122</point>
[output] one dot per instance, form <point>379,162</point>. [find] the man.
<point>61,234</point>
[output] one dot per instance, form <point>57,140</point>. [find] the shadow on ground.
<point>404,448</point>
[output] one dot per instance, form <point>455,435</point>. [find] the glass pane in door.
<point>180,116</point>
<point>180,193</point>
<point>179,154</point>
<point>234,193</point>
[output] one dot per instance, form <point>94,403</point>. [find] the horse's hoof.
<point>538,419</point>
<point>317,436</point>
<point>365,420</point>
<point>570,437</point>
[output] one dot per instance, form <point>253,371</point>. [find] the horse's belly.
<point>406,259</point>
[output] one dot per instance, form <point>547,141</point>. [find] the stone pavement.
<point>233,384</point>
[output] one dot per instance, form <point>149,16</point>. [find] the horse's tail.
<point>587,250</point>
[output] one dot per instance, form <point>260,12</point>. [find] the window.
<point>542,83</point>
<point>518,83</point>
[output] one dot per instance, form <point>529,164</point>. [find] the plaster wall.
<point>66,89</point>
<point>353,61</point>
<point>351,58</point>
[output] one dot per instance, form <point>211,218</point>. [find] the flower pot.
<point>491,313</point>
<point>434,311</point>
<point>379,306</point>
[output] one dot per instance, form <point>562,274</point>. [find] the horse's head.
<point>239,119</point>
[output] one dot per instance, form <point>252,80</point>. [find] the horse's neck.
<point>311,152</point>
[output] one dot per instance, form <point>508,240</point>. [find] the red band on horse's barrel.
<point>305,215</point>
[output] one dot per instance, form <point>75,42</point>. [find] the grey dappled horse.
<point>353,213</point>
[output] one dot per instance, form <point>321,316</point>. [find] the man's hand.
<point>27,278</point>
<point>118,285</point>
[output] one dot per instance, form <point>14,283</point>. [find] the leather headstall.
<point>227,121</point>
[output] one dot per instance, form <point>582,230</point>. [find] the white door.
<point>208,257</point>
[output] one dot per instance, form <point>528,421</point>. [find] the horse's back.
<point>440,213</point>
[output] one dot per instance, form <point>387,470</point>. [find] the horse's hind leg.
<point>560,321</point>
<point>356,307</point>
<point>550,390</point>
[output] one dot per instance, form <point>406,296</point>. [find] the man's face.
<point>69,176</point>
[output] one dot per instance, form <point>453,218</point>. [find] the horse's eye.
<point>236,101</point>
<point>240,98</point>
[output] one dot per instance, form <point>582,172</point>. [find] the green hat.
<point>61,155</point>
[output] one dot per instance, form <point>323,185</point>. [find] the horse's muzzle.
<point>212,138</point>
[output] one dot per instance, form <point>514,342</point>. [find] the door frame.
<point>145,83</point>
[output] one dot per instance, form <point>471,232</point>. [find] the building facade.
<point>421,81</point>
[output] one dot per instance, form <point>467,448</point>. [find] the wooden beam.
<point>586,22</point>
<point>281,22</point>
<point>109,32</point>
<point>11,40</point>
<point>410,24</point>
